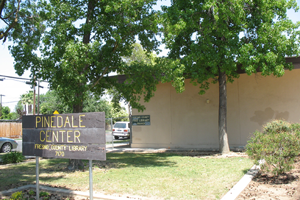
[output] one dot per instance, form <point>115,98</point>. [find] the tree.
<point>98,104</point>
<point>50,102</point>
<point>215,39</point>
<point>85,41</point>
<point>81,42</point>
<point>140,55</point>
<point>17,13</point>
<point>9,11</point>
<point>27,99</point>
<point>5,113</point>
<point>18,111</point>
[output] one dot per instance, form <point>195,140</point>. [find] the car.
<point>7,144</point>
<point>121,129</point>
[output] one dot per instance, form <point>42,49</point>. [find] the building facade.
<point>189,120</point>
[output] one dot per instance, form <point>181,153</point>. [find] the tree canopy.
<point>18,18</point>
<point>139,55</point>
<point>216,39</point>
<point>81,42</point>
<point>75,45</point>
<point>50,102</point>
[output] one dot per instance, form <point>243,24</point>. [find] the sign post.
<point>91,179</point>
<point>72,136</point>
<point>37,174</point>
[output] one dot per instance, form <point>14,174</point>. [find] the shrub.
<point>45,195</point>
<point>31,192</point>
<point>12,157</point>
<point>277,126</point>
<point>277,146</point>
<point>17,196</point>
<point>295,127</point>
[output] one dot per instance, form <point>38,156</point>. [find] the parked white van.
<point>121,129</point>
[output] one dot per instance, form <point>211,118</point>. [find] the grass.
<point>164,175</point>
<point>122,141</point>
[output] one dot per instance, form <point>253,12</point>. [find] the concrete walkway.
<point>124,147</point>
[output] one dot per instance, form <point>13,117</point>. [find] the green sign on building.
<point>140,120</point>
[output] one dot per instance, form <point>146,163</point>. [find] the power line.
<point>10,102</point>
<point>13,77</point>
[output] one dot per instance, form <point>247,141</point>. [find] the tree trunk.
<point>223,137</point>
<point>78,164</point>
<point>75,164</point>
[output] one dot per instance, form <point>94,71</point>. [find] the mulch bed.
<point>266,186</point>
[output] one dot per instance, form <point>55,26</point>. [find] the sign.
<point>140,120</point>
<point>72,136</point>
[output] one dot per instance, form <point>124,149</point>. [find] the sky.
<point>12,89</point>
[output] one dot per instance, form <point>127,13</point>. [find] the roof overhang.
<point>294,60</point>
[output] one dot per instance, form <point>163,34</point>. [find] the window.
<point>120,125</point>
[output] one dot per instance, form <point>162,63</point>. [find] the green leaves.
<point>13,157</point>
<point>81,42</point>
<point>279,157</point>
<point>213,39</point>
<point>212,35</point>
<point>76,44</point>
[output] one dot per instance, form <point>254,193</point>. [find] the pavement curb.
<point>242,184</point>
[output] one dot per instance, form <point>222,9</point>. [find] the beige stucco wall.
<point>186,120</point>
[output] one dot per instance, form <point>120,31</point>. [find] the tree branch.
<point>3,35</point>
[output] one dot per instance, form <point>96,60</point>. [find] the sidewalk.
<point>125,147</point>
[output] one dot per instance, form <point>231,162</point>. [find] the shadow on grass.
<point>25,173</point>
<point>123,160</point>
<point>245,171</point>
<point>17,175</point>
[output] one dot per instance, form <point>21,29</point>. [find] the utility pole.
<point>34,98</point>
<point>38,104</point>
<point>1,101</point>
<point>33,87</point>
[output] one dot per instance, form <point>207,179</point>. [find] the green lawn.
<point>164,175</point>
